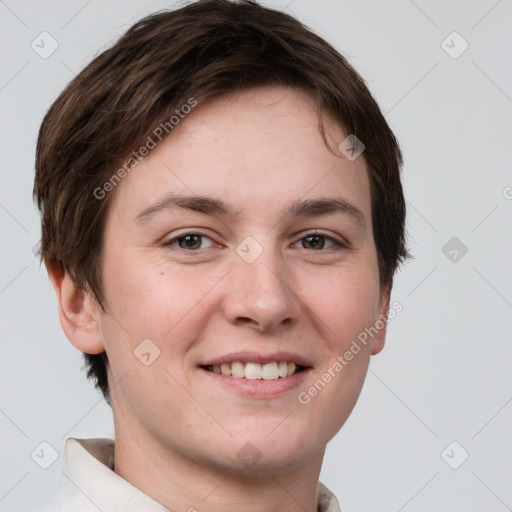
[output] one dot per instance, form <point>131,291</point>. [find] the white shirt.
<point>87,483</point>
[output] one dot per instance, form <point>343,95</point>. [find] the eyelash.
<point>337,243</point>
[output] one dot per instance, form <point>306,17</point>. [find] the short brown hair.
<point>203,50</point>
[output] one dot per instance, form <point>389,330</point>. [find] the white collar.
<point>88,483</point>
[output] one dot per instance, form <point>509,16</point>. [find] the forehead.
<point>255,149</point>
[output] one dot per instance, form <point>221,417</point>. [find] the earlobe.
<point>78,314</point>
<point>381,323</point>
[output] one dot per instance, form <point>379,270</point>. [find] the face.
<point>278,265</point>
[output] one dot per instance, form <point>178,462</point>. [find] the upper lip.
<point>258,357</point>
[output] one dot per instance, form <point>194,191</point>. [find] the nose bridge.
<point>259,288</point>
<point>262,270</point>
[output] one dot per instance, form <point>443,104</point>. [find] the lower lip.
<point>259,388</point>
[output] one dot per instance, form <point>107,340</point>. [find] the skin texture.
<point>178,431</point>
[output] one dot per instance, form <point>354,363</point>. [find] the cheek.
<point>345,310</point>
<point>152,299</point>
<point>345,302</point>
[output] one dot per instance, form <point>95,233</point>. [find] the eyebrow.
<point>211,206</point>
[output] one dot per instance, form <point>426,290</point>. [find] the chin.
<point>270,452</point>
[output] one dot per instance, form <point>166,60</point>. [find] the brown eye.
<point>189,241</point>
<point>318,242</point>
<point>314,242</point>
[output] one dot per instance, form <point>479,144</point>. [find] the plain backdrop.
<point>441,390</point>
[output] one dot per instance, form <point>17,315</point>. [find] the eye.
<point>189,241</point>
<point>318,242</point>
<point>194,241</point>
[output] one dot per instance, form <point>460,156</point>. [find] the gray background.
<point>444,374</point>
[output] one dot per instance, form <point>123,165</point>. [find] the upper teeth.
<point>268,371</point>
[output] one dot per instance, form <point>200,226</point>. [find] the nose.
<point>261,294</point>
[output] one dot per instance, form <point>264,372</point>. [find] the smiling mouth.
<point>256,371</point>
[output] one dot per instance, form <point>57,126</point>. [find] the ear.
<point>382,322</point>
<point>78,312</point>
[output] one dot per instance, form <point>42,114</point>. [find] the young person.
<point>222,217</point>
